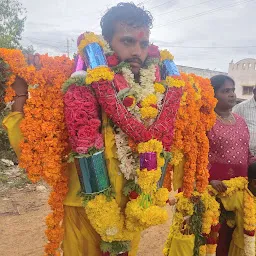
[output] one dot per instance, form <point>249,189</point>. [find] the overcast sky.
<point>199,33</point>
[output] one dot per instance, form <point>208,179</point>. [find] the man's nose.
<point>136,51</point>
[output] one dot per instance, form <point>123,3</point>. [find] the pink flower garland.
<point>117,112</point>
<point>82,119</point>
<point>163,127</point>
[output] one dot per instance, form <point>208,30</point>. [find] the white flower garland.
<point>146,86</point>
<point>143,89</point>
<point>249,245</point>
<point>128,164</point>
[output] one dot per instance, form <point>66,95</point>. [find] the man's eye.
<point>144,44</point>
<point>127,41</point>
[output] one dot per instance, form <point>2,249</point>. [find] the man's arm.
<point>12,122</point>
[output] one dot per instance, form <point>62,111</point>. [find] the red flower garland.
<point>82,119</point>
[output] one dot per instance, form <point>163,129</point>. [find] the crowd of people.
<point>232,139</point>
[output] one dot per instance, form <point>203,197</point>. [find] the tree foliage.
<point>12,20</point>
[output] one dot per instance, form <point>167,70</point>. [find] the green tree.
<point>12,20</point>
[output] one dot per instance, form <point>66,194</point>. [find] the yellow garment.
<point>80,238</point>
<point>182,245</point>
<point>12,125</point>
<point>235,203</point>
<point>178,173</point>
<point>234,250</point>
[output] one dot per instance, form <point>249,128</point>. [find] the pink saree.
<point>228,158</point>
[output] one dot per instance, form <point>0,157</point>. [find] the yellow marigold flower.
<point>160,161</point>
<point>148,112</point>
<point>172,82</point>
<point>150,146</point>
<point>99,73</point>
<point>211,248</point>
<point>151,99</point>
<point>159,88</point>
<point>106,218</point>
<point>161,196</point>
<point>177,157</point>
<point>139,218</point>
<point>202,250</point>
<point>90,38</point>
<point>166,55</point>
<point>147,180</point>
<point>184,205</point>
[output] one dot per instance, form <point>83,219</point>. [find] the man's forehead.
<point>138,32</point>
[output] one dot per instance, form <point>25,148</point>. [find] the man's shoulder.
<point>244,103</point>
<point>241,106</point>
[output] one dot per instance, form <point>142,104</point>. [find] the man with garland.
<point>126,28</point>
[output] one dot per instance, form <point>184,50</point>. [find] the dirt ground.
<point>22,213</point>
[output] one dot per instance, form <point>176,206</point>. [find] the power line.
<point>202,13</point>
<point>185,7</point>
<point>144,2</point>
<point>156,6</point>
<point>47,45</point>
<point>41,40</point>
<point>206,47</point>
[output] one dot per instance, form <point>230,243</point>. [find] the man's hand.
<point>218,185</point>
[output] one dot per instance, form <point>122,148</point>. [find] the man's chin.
<point>135,70</point>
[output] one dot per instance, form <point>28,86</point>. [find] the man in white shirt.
<point>247,109</point>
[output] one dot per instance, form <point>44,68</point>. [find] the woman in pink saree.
<point>229,155</point>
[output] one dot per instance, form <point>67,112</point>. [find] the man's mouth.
<point>135,64</point>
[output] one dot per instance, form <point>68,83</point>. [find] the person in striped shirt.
<point>247,110</point>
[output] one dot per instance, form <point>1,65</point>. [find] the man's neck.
<point>137,78</point>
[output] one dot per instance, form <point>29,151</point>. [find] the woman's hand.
<point>218,185</point>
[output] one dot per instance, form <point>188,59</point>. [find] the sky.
<point>199,33</point>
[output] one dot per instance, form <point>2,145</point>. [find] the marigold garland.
<point>89,38</point>
<point>195,117</point>
<point>44,147</point>
<point>174,82</point>
<point>166,55</point>
<point>97,74</point>
<point>249,211</point>
<point>45,158</point>
<point>184,213</point>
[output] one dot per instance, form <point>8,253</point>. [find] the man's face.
<point>131,45</point>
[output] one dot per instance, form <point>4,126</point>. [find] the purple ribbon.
<point>148,161</point>
<point>79,63</point>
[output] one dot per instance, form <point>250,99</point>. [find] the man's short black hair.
<point>219,80</point>
<point>127,13</point>
<point>252,172</point>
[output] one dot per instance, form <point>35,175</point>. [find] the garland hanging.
<point>44,147</point>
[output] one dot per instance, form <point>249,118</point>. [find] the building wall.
<point>206,73</point>
<point>244,74</point>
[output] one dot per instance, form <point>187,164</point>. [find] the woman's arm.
<point>21,89</point>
